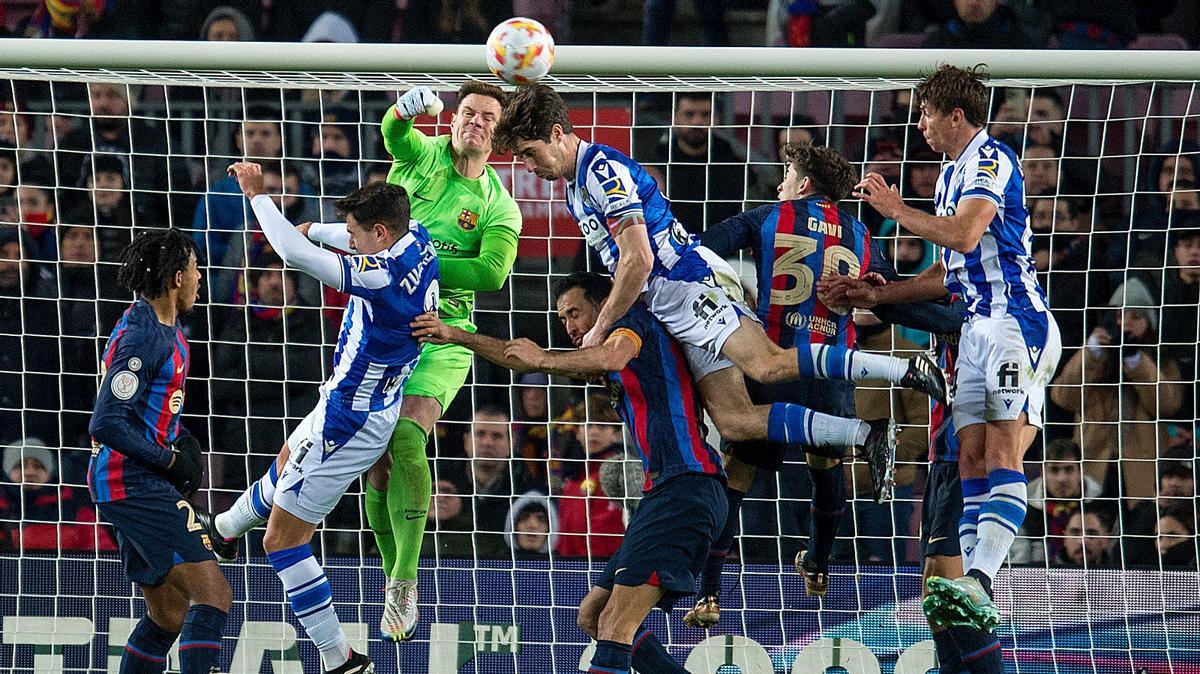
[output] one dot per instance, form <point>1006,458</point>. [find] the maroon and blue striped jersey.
<point>136,418</point>
<point>659,402</point>
<point>794,243</point>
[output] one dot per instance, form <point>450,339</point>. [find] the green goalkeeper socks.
<point>381,524</point>
<point>409,488</point>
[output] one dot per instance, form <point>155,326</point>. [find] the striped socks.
<point>793,424</point>
<point>821,361</point>
<point>312,601</point>
<point>252,507</point>
<point>975,493</point>
<point>200,641</point>
<point>1000,518</point>
<point>147,648</point>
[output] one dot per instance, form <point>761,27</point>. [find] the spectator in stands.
<point>29,347</point>
<point>17,131</point>
<point>921,169</point>
<point>1176,531</point>
<point>52,19</point>
<point>981,24</point>
<point>449,532</point>
<point>8,180</point>
<point>37,514</point>
<point>331,26</point>
<point>1060,493</point>
<point>335,148</point>
<point>802,130</point>
<point>590,524</point>
<point>227,24</point>
<point>531,529</point>
<point>36,215</point>
<point>1040,165</point>
<point>1180,322</point>
<point>1088,541</point>
<point>141,147</point>
<point>1167,199</point>
<point>494,480</point>
<point>1024,120</point>
<point>267,364</point>
<point>223,209</point>
<point>1062,246</point>
<point>1176,492</point>
<point>1112,24</point>
<point>531,425</point>
<point>706,180</point>
<point>1118,386</point>
<point>656,22</point>
<point>108,207</point>
<point>885,156</point>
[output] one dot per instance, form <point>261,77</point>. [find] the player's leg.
<point>949,659</point>
<point>249,511</point>
<point>619,622</point>
<point>153,635</point>
<point>825,514</point>
<point>204,587</point>
<point>740,476</point>
<point>648,654</point>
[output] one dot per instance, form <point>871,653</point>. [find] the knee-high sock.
<point>409,488</point>
<point>200,641</point>
<point>1000,518</point>
<point>979,651</point>
<point>380,521</point>
<point>793,424</point>
<point>147,648</point>
<point>649,655</point>
<point>828,506</point>
<point>820,361</point>
<point>252,507</point>
<point>974,492</point>
<point>947,653</point>
<point>312,601</point>
<point>710,575</point>
<point>611,658</point>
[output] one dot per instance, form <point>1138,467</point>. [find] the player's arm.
<point>332,234</point>
<point>292,247</point>
<point>959,232</point>
<point>633,268</point>
<point>935,317</point>
<point>400,138</point>
<point>431,329</point>
<point>117,418</point>
<point>611,355</point>
<point>497,251</point>
<point>731,235</point>
<point>843,291</point>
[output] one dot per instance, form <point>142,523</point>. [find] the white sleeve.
<point>331,234</point>
<point>293,248</point>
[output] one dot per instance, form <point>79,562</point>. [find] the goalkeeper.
<point>474,223</point>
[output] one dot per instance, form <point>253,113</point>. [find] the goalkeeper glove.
<point>418,101</point>
<point>186,470</point>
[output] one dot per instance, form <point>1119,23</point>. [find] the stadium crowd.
<point>1116,243</point>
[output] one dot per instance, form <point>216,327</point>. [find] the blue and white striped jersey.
<point>376,351</point>
<point>997,279</point>
<point>609,185</point>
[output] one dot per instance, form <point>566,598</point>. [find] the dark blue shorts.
<point>154,533</point>
<point>941,509</point>
<point>669,536</point>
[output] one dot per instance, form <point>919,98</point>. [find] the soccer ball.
<point>520,51</point>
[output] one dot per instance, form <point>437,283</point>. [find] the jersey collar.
<point>972,147</point>
<point>579,153</point>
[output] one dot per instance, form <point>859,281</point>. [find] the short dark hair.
<point>951,87</point>
<point>831,175</point>
<point>703,96</point>
<point>596,287</point>
<point>481,89</point>
<point>491,410</point>
<point>1063,449</point>
<point>151,260</point>
<point>380,202</point>
<point>530,113</point>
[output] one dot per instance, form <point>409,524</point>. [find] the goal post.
<point>1108,142</point>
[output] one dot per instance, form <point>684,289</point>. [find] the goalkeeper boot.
<point>961,602</point>
<point>399,621</point>
<point>879,451</point>
<point>816,579</point>
<point>226,549</point>
<point>357,664</point>
<point>925,376</point>
<point>705,613</point>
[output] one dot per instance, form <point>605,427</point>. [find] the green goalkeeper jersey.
<point>474,222</point>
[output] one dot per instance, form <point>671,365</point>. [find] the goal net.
<point>1103,576</point>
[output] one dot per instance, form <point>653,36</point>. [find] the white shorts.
<point>1002,370</point>
<point>700,314</point>
<point>330,449</point>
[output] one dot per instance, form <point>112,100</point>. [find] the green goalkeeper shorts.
<point>442,369</point>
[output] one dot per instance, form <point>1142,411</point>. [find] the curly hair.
<point>830,173</point>
<point>951,87</point>
<point>530,113</point>
<point>150,262</point>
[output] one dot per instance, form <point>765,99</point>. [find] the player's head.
<point>815,170</point>
<point>954,105</point>
<point>577,299</point>
<point>162,263</point>
<point>536,127</point>
<point>692,118</point>
<point>376,216</point>
<point>488,441</point>
<point>474,122</point>
<point>1062,475</point>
